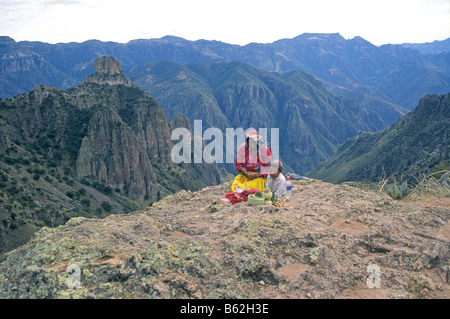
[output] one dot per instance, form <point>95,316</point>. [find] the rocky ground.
<point>322,243</point>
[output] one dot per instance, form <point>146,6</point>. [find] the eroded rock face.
<point>112,154</point>
<point>108,71</point>
<point>319,244</point>
<point>112,133</point>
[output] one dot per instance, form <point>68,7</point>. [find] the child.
<point>276,181</point>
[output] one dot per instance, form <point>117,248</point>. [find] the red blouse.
<point>254,161</point>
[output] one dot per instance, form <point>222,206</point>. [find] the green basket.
<point>256,199</point>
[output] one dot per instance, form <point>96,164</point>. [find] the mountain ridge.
<point>310,120</point>
<point>354,63</point>
<point>411,147</point>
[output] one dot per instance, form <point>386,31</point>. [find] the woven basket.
<point>256,199</point>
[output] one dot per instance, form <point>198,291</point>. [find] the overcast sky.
<point>231,21</point>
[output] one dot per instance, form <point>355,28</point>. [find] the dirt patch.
<point>290,271</point>
<point>57,267</point>
<point>177,234</point>
<point>115,260</point>
<point>444,232</point>
<point>441,203</point>
<point>350,226</point>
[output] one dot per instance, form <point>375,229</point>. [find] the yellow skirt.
<point>242,182</point>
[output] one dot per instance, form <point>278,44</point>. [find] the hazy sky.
<point>231,21</point>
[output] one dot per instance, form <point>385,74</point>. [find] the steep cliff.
<point>208,173</point>
<point>99,148</point>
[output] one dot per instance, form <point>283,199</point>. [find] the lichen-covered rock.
<point>326,241</point>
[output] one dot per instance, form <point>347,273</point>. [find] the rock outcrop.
<point>327,241</point>
<point>108,71</point>
<point>111,154</point>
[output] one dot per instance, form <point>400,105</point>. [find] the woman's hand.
<point>250,176</point>
<point>245,172</point>
<point>253,176</point>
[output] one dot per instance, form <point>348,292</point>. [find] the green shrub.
<point>107,190</point>
<point>51,164</point>
<point>70,194</point>
<point>106,206</point>
<point>51,134</point>
<point>86,202</point>
<point>397,191</point>
<point>10,160</point>
<point>3,177</point>
<point>57,155</point>
<point>39,171</point>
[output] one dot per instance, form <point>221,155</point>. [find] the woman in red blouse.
<point>252,157</point>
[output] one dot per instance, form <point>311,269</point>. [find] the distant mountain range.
<point>392,73</point>
<point>411,147</point>
<point>435,47</point>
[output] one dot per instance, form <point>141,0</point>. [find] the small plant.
<point>314,253</point>
<point>419,288</point>
<point>397,191</point>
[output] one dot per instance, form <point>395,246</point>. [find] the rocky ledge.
<point>328,241</point>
